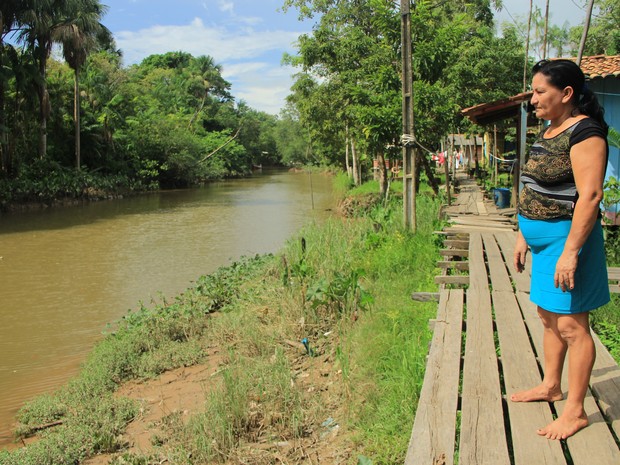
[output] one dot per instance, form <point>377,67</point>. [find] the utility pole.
<point>408,137</point>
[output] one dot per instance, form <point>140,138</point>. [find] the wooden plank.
<point>613,273</point>
<point>483,436</point>
<point>459,228</point>
<point>605,383</point>
<point>520,371</point>
<point>497,268</point>
<point>434,429</point>
<point>507,242</point>
<point>461,266</point>
<point>458,234</point>
<point>503,220</point>
<point>454,252</point>
<point>519,368</point>
<point>614,288</point>
<point>476,221</point>
<point>425,296</point>
<point>456,243</point>
<point>594,444</point>
<point>452,279</point>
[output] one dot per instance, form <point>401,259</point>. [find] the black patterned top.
<point>549,189</point>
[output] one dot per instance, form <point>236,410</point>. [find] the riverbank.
<point>68,272</point>
<point>313,354</point>
<point>343,286</point>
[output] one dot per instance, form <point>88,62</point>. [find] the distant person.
<point>560,222</point>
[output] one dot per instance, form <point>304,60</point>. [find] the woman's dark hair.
<point>566,73</point>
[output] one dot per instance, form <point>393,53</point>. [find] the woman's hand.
<point>565,271</point>
<point>520,253</point>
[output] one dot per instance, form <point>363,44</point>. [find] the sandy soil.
<point>183,391</point>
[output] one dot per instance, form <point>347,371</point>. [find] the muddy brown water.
<point>65,273</point>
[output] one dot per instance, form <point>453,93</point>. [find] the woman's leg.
<point>554,347</point>
<point>575,330</point>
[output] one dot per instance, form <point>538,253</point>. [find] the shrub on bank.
<point>343,287</point>
<point>45,182</point>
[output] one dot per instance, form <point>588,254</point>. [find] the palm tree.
<point>211,81</point>
<point>82,34</point>
<point>8,19</point>
<point>38,19</point>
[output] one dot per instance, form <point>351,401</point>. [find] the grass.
<point>606,323</point>
<point>344,286</point>
<point>349,278</point>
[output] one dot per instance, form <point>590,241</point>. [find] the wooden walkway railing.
<point>487,343</point>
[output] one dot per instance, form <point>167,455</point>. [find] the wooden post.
<point>518,166</point>
<point>446,172</point>
<point>409,159</point>
<point>495,154</point>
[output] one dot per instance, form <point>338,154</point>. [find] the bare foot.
<point>538,393</point>
<point>564,427</point>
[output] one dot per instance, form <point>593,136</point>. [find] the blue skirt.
<point>546,239</point>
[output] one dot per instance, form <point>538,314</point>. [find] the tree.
<point>38,20</point>
<point>207,80</point>
<point>8,19</point>
<point>354,50</point>
<point>83,34</point>
<point>289,137</point>
<point>604,33</point>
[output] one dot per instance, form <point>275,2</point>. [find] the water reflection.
<point>67,272</point>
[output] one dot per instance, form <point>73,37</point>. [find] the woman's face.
<point>549,101</point>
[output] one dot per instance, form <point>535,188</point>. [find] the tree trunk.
<point>4,161</point>
<point>430,174</point>
<point>44,103</point>
<point>356,177</point>
<point>346,152</point>
<point>76,119</point>
<point>198,110</point>
<point>382,172</point>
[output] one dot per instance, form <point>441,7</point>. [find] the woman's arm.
<point>520,253</point>
<point>588,159</point>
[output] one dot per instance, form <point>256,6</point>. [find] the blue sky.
<point>560,11</point>
<point>246,37</point>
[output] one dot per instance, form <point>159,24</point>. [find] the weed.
<point>606,323</point>
<point>320,287</point>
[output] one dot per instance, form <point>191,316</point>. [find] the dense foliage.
<point>168,121</point>
<point>172,121</point>
<point>348,94</point>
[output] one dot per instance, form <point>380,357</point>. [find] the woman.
<point>559,220</point>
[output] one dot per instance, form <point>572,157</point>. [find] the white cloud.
<point>241,50</point>
<point>261,85</point>
<point>226,6</point>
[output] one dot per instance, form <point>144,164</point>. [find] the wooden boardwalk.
<point>487,343</point>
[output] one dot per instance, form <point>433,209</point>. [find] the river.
<point>65,273</point>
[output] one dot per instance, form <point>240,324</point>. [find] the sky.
<point>246,37</point>
<point>560,11</point>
